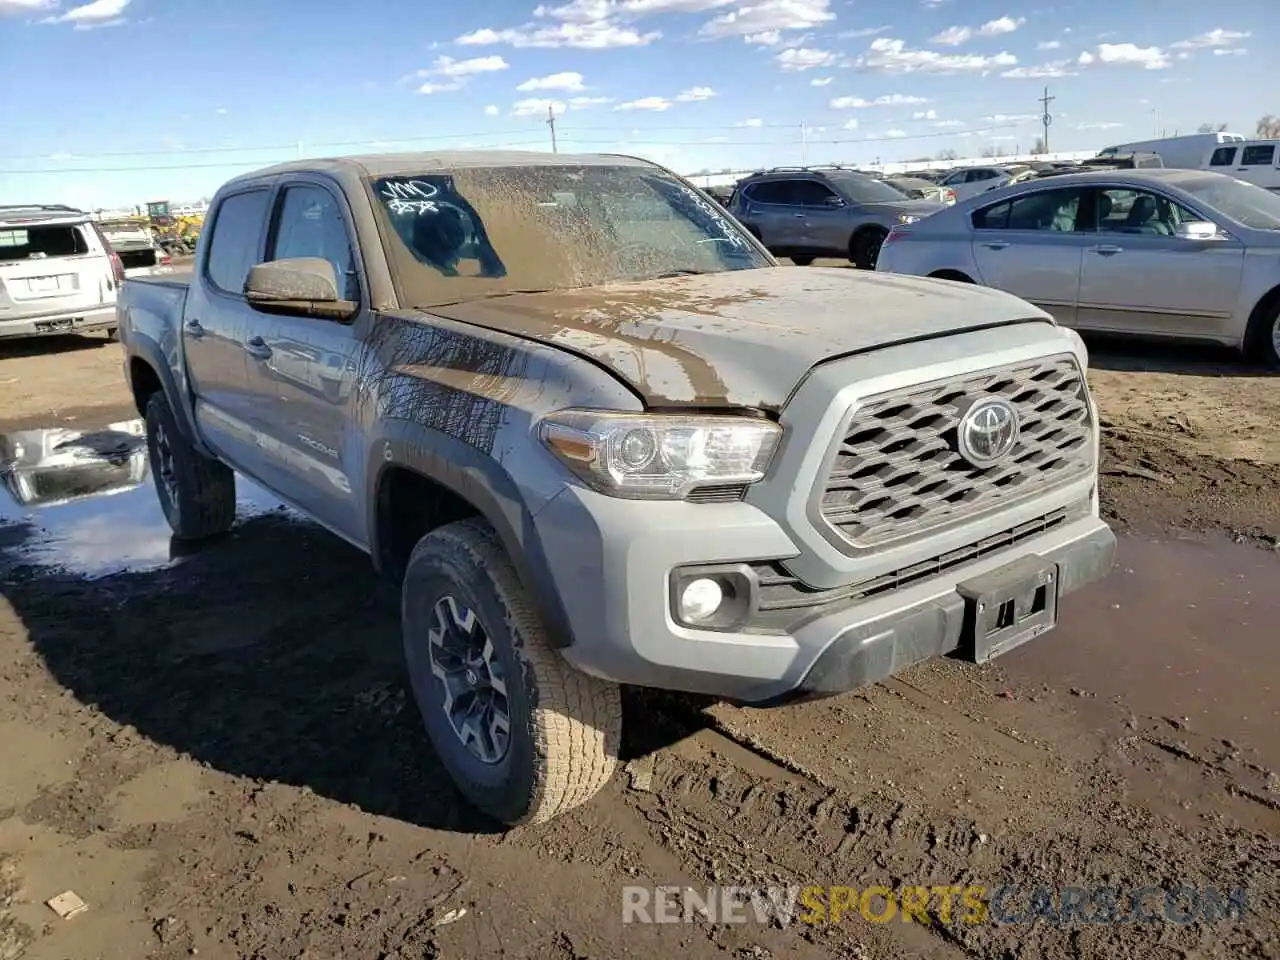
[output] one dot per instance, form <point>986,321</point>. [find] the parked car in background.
<point>970,181</point>
<point>918,189</point>
<point>58,273</point>
<point>135,242</point>
<point>1168,253</point>
<point>808,212</point>
<point>1185,152</point>
<point>1255,161</point>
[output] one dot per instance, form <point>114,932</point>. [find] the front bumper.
<point>71,321</point>
<point>611,561</point>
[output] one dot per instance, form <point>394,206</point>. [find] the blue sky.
<point>121,101</point>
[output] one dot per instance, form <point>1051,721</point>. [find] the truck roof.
<point>397,164</point>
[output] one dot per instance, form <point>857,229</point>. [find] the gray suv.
<point>808,212</point>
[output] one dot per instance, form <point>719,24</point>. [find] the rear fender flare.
<point>148,351</point>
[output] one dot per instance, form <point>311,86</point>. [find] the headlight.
<point>659,456</point>
<point>907,218</point>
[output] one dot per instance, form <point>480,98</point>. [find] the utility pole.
<point>804,144</point>
<point>551,123</point>
<point>1046,117</point>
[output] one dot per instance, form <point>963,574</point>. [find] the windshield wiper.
<point>681,273</point>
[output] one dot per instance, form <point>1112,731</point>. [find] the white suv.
<point>58,273</point>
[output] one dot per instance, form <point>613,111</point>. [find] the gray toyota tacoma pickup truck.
<point>599,436</point>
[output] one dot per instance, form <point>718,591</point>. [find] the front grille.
<point>780,591</point>
<point>897,471</point>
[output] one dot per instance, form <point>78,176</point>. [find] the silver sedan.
<point>1186,254</point>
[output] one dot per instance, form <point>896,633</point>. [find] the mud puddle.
<point>83,501</point>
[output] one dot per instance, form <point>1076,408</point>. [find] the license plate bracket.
<point>47,326</point>
<point>1008,606</point>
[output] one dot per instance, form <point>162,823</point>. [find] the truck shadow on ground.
<point>1154,356</point>
<point>272,653</point>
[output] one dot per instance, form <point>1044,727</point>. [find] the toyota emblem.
<point>987,431</point>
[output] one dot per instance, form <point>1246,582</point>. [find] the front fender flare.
<point>484,483</point>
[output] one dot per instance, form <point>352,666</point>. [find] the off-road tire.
<point>203,501</point>
<point>802,261</point>
<point>1260,339</point>
<point>566,726</point>
<point>864,248</point>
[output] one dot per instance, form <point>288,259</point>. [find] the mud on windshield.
<point>491,230</point>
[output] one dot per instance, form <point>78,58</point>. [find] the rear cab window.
<point>235,243</point>
<point>772,191</point>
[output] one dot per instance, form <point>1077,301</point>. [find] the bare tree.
<point>947,154</point>
<point>991,151</point>
<point>1039,146</point>
<point>1268,127</point>
<point>1212,127</point>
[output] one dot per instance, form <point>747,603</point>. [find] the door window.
<point>772,191</point>
<point>1054,210</point>
<point>1259,155</point>
<point>1223,157</point>
<point>1139,212</point>
<point>810,193</point>
<point>311,224</point>
<point>236,240</point>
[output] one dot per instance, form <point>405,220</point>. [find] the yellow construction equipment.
<point>177,234</point>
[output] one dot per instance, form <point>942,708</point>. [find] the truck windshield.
<point>486,231</point>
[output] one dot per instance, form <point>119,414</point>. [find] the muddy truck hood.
<point>742,338</point>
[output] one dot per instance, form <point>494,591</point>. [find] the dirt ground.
<point>215,749</point>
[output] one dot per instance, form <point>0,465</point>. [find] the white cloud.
<point>1214,38</point>
<point>447,86</point>
<point>449,67</point>
<point>537,107</point>
<point>925,115</point>
<point>1045,71</point>
<point>491,110</point>
<point>851,123</point>
<point>695,94</point>
<point>896,134</point>
<point>98,13</point>
<point>1230,51</point>
<point>1098,126</point>
<point>820,81</point>
<point>953,36</point>
<point>864,32</point>
<point>764,16</point>
<point>25,6</point>
<point>655,104</point>
<point>805,58</point>
<point>568,81</point>
<point>770,38</point>
<point>1149,58</point>
<point>1049,45</point>
<point>893,56</point>
<point>594,35</point>
<point>642,7</point>
<point>584,11</point>
<point>1085,59</point>
<point>1010,117</point>
<point>221,111</point>
<point>949,123</point>
<point>934,4</point>
<point>1001,26</point>
<point>888,100</point>
<point>755,123</point>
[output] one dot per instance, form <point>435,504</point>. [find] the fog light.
<point>700,599</point>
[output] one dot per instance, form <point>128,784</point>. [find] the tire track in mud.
<point>736,812</point>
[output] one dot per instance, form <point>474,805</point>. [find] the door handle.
<point>1107,249</point>
<point>195,329</point>
<point>995,244</point>
<point>257,348</point>
<point>798,216</point>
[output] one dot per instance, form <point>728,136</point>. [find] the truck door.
<point>215,321</point>
<point>301,371</point>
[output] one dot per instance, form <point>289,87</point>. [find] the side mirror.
<point>1198,230</point>
<point>302,285</point>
